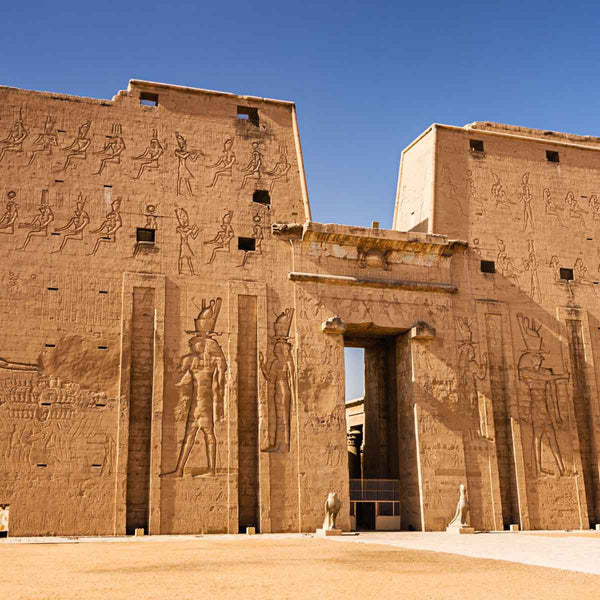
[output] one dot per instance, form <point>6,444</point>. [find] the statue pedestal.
<point>460,530</point>
<point>328,532</point>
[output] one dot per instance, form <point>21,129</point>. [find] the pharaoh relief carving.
<point>526,197</point>
<point>224,164</point>
<point>45,141</point>
<point>151,156</point>
<point>202,388</point>
<point>184,175</point>
<point>113,148</point>
<point>185,231</point>
<point>252,171</point>
<point>470,373</point>
<point>76,224</point>
<point>531,265</point>
<point>11,214</point>
<point>13,142</point>
<point>374,258</point>
<point>109,227</point>
<point>280,373</point>
<point>281,169</point>
<point>78,148</point>
<point>222,240</point>
<point>505,263</point>
<point>39,225</point>
<point>552,209</point>
<point>499,193</point>
<point>542,409</point>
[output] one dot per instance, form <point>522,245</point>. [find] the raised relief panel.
<point>13,142</point>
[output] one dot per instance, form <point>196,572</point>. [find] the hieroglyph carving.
<point>185,231</point>
<point>45,141</point>
<point>253,169</point>
<point>543,412</point>
<point>526,197</point>
<point>224,164</point>
<point>202,388</point>
<point>222,241</point>
<point>113,148</point>
<point>552,209</point>
<point>575,211</point>
<point>111,224</point>
<point>184,175</point>
<point>13,142</point>
<point>531,265</point>
<point>470,373</point>
<point>11,214</point>
<point>79,147</point>
<point>281,375</point>
<point>39,225</point>
<point>505,263</point>
<point>281,169</point>
<point>499,193</point>
<point>76,225</point>
<point>150,156</point>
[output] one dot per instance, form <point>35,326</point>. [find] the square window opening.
<point>146,236</point>
<point>552,156</point>
<point>148,99</point>
<point>249,114</point>
<point>487,266</point>
<point>476,145</point>
<point>246,244</point>
<point>566,274</point>
<point>262,197</point>
<point>385,509</point>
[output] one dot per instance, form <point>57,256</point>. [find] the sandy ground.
<point>269,567</point>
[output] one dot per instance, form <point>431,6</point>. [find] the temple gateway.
<point>174,325</point>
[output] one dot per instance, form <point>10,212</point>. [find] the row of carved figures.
<point>40,226</point>
<point>149,160</point>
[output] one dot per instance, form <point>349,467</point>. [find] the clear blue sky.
<point>367,77</point>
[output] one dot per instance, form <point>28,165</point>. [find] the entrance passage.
<point>140,410</point>
<point>375,428</point>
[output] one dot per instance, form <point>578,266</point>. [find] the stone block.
<point>250,530</point>
<point>460,530</point>
<point>328,532</point>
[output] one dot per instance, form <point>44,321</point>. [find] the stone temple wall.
<point>174,324</point>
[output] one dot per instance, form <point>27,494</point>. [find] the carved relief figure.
<point>79,147</point>
<point>575,211</point>
<point>499,193</point>
<point>113,148</point>
<point>281,169</point>
<point>450,190</point>
<point>151,156</point>
<point>526,197</point>
<point>281,375</point>
<point>258,235</point>
<point>202,388</point>
<point>77,223</point>
<point>531,265</point>
<point>45,140</point>
<point>374,257</point>
<point>594,205</point>
<point>552,209</point>
<point>38,227</point>
<point>252,169</point>
<point>505,263</point>
<point>472,196</point>
<point>183,173</point>
<point>13,142</point>
<point>544,410</point>
<point>581,275</point>
<point>111,224</point>
<point>222,240</point>
<point>185,231</point>
<point>471,371</point>
<point>225,163</point>
<point>9,218</point>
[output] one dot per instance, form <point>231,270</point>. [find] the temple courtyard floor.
<point>549,565</point>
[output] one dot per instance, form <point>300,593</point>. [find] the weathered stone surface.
<point>174,323</point>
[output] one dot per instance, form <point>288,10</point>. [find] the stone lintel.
<point>334,325</point>
<point>382,239</point>
<point>422,331</point>
<point>414,286</point>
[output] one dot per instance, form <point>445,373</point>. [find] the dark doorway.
<point>365,516</point>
